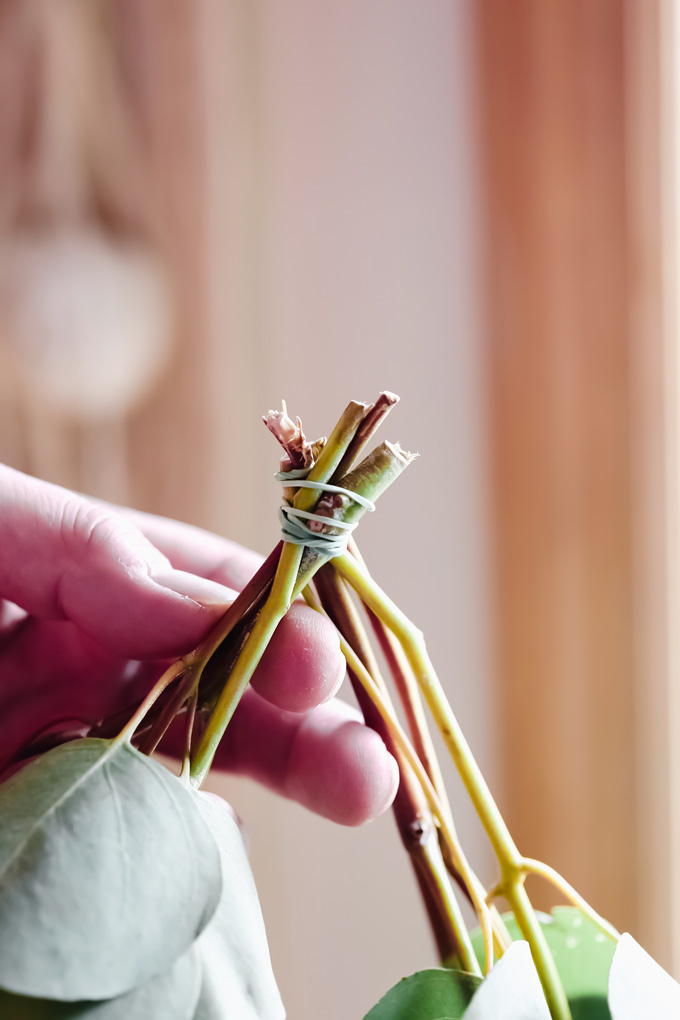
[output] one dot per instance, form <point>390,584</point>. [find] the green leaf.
<point>512,991</point>
<point>582,955</point>
<point>639,987</point>
<point>437,994</point>
<point>107,872</point>
<point>237,972</point>
<point>172,996</point>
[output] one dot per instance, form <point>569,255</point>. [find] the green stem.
<point>402,743</point>
<point>171,673</point>
<point>527,921</point>
<point>185,689</point>
<point>409,694</point>
<point>414,647</point>
<point>412,815</point>
<point>372,420</point>
<point>281,595</point>
<point>332,454</point>
<point>185,774</point>
<point>253,591</point>
<point>509,858</point>
<point>273,612</point>
<point>370,479</point>
<point>411,703</point>
<point>544,871</point>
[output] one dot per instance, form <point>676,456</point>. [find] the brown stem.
<point>171,707</point>
<point>254,593</point>
<point>371,478</point>
<point>416,720</point>
<point>411,811</point>
<point>375,414</point>
<point>299,452</point>
<point>334,594</point>
<point>410,702</point>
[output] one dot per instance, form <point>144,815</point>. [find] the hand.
<point>94,601</point>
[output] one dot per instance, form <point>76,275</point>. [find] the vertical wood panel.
<point>558,264</point>
<point>654,442</point>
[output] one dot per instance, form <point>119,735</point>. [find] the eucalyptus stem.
<point>520,904</point>
<point>281,595</point>
<point>185,774</point>
<point>544,871</point>
<point>414,647</point>
<point>171,673</point>
<point>402,742</point>
<point>253,591</point>
<point>275,609</point>
<point>510,860</point>
<point>186,689</point>
<point>409,696</point>
<point>373,418</point>
<point>410,808</point>
<point>370,479</point>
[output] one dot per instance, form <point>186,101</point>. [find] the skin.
<point>95,600</point>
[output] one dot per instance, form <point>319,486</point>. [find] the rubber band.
<point>295,531</point>
<point>299,476</point>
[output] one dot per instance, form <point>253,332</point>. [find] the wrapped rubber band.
<point>293,528</point>
<point>299,477</point>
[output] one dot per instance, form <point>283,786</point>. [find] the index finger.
<point>303,665</point>
<point>197,551</point>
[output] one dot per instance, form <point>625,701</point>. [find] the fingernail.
<point>199,589</point>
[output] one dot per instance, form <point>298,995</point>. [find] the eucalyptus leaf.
<point>582,955</point>
<point>639,987</point>
<point>238,981</point>
<point>512,991</point>
<point>108,872</point>
<point>436,994</point>
<point>172,996</point>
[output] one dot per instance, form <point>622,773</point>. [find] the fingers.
<point>50,669</point>
<point>303,665</point>
<point>326,760</point>
<point>52,672</point>
<point>64,557</point>
<point>197,551</point>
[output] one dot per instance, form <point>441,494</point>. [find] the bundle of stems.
<point>206,685</point>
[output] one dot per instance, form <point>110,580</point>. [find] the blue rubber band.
<point>295,531</point>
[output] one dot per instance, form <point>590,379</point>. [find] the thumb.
<point>64,557</point>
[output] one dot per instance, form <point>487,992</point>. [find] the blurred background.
<point>207,207</point>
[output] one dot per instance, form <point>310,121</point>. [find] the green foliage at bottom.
<point>436,994</point>
<point>582,954</point>
<point>172,996</point>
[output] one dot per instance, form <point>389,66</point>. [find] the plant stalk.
<point>273,612</point>
<point>509,858</point>
<point>400,740</point>
<point>285,586</point>
<point>412,815</point>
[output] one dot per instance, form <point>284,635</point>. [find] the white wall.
<point>343,238</point>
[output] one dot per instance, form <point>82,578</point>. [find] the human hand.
<point>94,601</point>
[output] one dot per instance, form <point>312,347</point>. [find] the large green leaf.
<point>237,975</point>
<point>172,996</point>
<point>437,994</point>
<point>107,872</point>
<point>639,987</point>
<point>512,991</point>
<point>582,954</point>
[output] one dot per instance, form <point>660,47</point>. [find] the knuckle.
<point>86,527</point>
